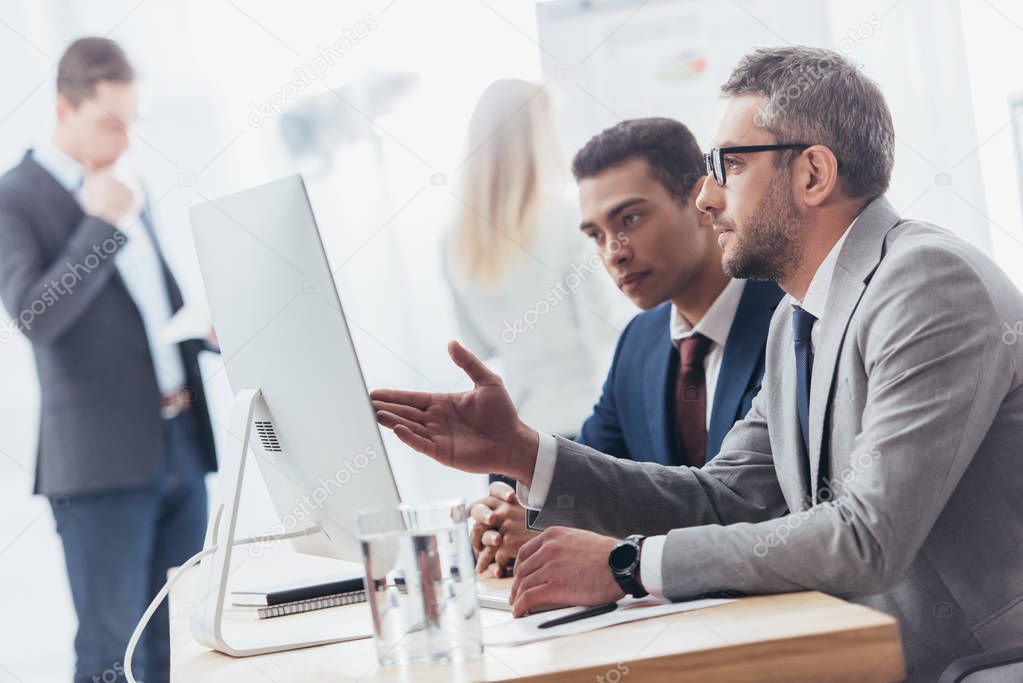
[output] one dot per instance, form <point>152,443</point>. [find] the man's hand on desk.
<point>562,567</point>
<point>499,530</point>
<point>475,431</point>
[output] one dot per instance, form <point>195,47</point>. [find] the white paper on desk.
<point>190,322</point>
<point>525,630</point>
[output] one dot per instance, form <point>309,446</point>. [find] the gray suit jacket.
<point>100,423</point>
<point>910,499</point>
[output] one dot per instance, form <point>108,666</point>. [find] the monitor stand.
<point>214,569</point>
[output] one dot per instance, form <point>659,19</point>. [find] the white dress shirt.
<point>715,325</point>
<point>816,298</point>
<point>139,265</point>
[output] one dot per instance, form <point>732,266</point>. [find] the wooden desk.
<point>788,638</point>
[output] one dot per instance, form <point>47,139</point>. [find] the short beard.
<point>769,248</point>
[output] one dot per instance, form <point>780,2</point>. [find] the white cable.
<point>194,559</point>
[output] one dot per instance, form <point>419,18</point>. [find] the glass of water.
<point>421,582</point>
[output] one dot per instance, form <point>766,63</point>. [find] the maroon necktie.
<point>691,400</point>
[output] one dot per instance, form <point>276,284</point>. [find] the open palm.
<point>475,431</point>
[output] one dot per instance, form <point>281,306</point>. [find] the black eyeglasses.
<point>715,158</point>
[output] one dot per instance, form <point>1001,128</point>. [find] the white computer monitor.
<point>301,404</point>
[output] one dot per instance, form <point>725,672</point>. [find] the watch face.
<point>624,557</point>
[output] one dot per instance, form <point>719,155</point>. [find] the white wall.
<point>914,49</point>
<point>916,52</point>
<point>994,40</point>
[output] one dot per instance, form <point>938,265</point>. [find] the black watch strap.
<point>627,574</point>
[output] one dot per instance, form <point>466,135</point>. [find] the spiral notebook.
<point>299,606</point>
<point>302,595</point>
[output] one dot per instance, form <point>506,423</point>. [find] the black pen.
<point>581,614</point>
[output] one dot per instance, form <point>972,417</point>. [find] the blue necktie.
<point>802,323</point>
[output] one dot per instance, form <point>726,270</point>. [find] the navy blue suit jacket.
<point>635,416</point>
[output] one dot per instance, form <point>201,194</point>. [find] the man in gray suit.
<point>880,460</point>
<point>124,437</point>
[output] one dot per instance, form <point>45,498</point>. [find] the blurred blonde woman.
<point>528,289</point>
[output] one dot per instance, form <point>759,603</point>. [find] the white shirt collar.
<point>816,298</point>
<point>716,322</point>
<point>65,170</point>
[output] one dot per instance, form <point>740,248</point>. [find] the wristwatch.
<point>624,564</point>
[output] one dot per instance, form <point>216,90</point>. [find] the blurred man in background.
<point>125,438</point>
<point>687,368</point>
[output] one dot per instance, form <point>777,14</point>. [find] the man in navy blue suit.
<point>688,366</point>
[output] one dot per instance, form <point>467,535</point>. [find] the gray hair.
<point>816,96</point>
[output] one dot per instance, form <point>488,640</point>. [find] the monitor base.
<point>214,569</point>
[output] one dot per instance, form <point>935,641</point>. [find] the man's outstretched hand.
<point>475,431</point>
